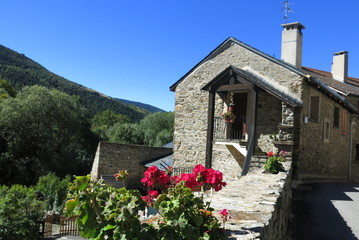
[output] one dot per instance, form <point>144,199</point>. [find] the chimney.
<point>292,41</point>
<point>340,66</point>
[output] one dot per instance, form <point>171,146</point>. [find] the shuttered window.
<point>314,108</point>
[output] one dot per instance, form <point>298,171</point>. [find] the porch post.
<point>251,133</point>
<point>210,125</point>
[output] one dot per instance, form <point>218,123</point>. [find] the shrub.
<point>108,213</point>
<point>19,213</point>
<point>54,191</point>
<point>274,162</point>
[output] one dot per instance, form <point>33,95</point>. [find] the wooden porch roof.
<point>234,79</point>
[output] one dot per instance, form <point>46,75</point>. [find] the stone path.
<point>250,201</point>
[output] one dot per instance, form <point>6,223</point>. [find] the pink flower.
<point>224,212</point>
<point>271,154</point>
<point>155,179</point>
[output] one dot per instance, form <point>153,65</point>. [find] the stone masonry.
<point>112,157</point>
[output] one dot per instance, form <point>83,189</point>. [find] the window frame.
<point>326,130</point>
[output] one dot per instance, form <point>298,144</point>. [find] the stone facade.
<point>318,158</point>
<point>112,157</point>
<point>191,107</point>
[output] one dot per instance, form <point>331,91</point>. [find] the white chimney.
<point>292,41</point>
<point>340,66</point>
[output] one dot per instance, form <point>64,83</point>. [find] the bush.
<point>274,162</point>
<point>53,191</point>
<point>19,213</point>
<point>108,213</point>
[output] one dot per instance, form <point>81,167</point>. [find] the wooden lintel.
<point>235,87</point>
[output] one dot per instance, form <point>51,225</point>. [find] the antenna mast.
<point>286,10</point>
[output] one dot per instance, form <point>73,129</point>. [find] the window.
<point>336,117</point>
<point>357,152</point>
<point>344,121</point>
<point>314,108</point>
<point>326,131</point>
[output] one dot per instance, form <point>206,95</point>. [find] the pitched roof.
<point>227,42</point>
<point>349,88</point>
<point>316,79</point>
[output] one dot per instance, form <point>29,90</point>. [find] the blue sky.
<point>136,49</point>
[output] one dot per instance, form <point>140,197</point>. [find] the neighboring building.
<point>278,104</point>
<point>112,157</point>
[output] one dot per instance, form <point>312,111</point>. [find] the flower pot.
<point>230,120</point>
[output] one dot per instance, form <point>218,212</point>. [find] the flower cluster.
<point>151,197</point>
<point>121,175</point>
<point>229,115</point>
<point>225,216</point>
<point>156,179</point>
<point>201,176</point>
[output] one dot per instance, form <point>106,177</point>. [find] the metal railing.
<point>225,131</point>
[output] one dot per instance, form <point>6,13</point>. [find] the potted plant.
<point>229,116</point>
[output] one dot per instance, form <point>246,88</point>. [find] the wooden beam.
<point>210,125</point>
<point>235,87</point>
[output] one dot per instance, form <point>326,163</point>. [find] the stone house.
<point>278,105</point>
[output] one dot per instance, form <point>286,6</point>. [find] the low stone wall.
<point>259,204</point>
<point>111,157</point>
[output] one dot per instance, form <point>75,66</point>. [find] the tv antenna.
<point>286,9</point>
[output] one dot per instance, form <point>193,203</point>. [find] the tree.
<point>158,128</point>
<point>101,122</point>
<point>155,129</point>
<point>126,133</point>
<point>6,89</point>
<point>19,213</point>
<point>43,130</point>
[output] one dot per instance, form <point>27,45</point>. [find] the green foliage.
<point>158,128</point>
<point>274,164</point>
<point>19,213</point>
<point>186,216</point>
<point>101,122</point>
<point>105,212</point>
<point>21,71</point>
<point>53,190</point>
<point>43,130</point>
<point>126,133</point>
<point>108,213</point>
<point>6,90</point>
<point>155,129</point>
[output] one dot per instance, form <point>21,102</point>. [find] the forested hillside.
<point>21,71</point>
<point>148,107</point>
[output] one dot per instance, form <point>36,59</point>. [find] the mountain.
<point>145,106</point>
<point>21,71</point>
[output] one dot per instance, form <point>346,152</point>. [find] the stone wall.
<point>317,158</point>
<point>191,104</point>
<point>112,157</point>
<point>269,116</point>
<point>260,205</point>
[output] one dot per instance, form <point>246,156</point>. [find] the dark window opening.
<point>357,152</point>
<point>336,117</point>
<point>314,108</point>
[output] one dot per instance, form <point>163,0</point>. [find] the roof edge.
<point>246,46</point>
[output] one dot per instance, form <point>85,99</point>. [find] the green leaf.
<point>198,220</point>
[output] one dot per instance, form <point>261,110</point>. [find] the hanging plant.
<point>229,116</point>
